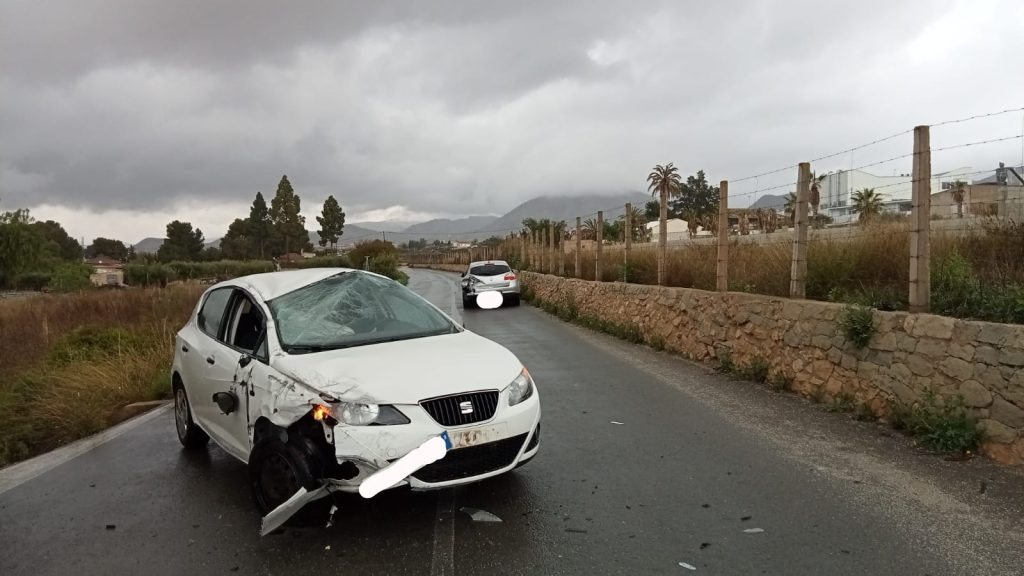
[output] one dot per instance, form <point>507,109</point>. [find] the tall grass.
<point>871,268</point>
<point>70,361</point>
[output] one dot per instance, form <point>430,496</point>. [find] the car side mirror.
<point>244,360</point>
<point>226,401</point>
<point>463,274</point>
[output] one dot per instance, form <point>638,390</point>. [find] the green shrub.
<point>940,426</point>
<point>334,261</point>
<point>71,278</point>
<point>89,342</point>
<point>365,250</point>
<point>756,370</point>
<point>845,403</point>
<point>780,382</point>
<point>858,324</point>
<point>154,274</point>
<point>31,281</point>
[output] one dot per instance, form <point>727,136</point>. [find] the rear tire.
<point>190,436</point>
<point>276,472</point>
<point>515,300</point>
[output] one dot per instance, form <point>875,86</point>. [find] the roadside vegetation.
<point>70,361</point>
<point>977,275</point>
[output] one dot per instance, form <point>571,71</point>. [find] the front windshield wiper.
<point>306,348</point>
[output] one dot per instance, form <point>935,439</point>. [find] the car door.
<point>196,347</point>
<point>230,366</point>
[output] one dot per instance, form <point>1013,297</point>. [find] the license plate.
<point>476,436</point>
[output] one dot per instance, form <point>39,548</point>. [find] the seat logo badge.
<point>466,407</point>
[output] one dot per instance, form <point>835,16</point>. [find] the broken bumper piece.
<point>427,453</point>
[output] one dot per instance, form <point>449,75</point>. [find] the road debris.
<point>617,423</point>
<point>687,566</point>
<point>111,526</point>
<point>745,518</point>
<point>479,515</point>
<point>704,545</point>
<point>330,515</point>
<point>754,530</point>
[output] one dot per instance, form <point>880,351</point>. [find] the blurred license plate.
<point>475,436</point>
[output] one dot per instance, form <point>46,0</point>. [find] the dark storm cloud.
<point>460,107</point>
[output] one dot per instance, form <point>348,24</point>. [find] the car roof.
<point>270,285</point>
<point>483,262</point>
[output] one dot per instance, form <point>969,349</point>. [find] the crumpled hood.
<point>407,371</point>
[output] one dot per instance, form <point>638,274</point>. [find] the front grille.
<point>447,410</point>
<point>472,461</point>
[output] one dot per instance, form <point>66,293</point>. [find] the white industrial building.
<point>837,188</point>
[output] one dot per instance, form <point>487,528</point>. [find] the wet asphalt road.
<point>696,460</point>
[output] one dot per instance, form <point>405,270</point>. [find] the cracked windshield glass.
<point>468,287</point>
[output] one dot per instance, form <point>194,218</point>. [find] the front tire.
<point>190,436</point>
<point>468,302</point>
<point>276,472</point>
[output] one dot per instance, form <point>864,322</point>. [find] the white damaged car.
<point>325,380</point>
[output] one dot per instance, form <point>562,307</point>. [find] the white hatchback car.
<point>319,378</point>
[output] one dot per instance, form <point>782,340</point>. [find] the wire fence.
<point>931,235</point>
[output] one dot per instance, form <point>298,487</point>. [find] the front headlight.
<point>521,388</point>
<point>356,414</point>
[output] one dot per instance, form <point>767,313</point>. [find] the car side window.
<point>246,325</point>
<point>212,312</point>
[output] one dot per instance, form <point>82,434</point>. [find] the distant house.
<point>292,257</point>
<point>677,228</point>
<point>461,244</point>
<point>105,271</point>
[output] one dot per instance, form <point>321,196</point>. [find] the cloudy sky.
<point>116,117</point>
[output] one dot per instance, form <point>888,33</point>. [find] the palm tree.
<point>958,197</point>
<point>588,231</point>
<point>866,203</point>
<point>637,221</point>
<point>815,198</point>
<point>665,182</point>
<point>790,207</point>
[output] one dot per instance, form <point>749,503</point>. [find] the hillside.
<point>567,208</point>
<point>770,201</point>
<point>451,226</point>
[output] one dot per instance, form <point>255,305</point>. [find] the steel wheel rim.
<point>277,480</point>
<point>180,412</point>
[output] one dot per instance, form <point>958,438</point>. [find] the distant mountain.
<point>770,201</point>
<point>385,225</point>
<point>449,226</point>
<point>148,245</point>
<point>351,234</point>
<point>567,208</point>
<point>151,245</point>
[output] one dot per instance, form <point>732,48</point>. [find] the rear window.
<point>489,270</point>
<point>213,311</point>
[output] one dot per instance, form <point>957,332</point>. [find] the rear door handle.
<point>209,360</point>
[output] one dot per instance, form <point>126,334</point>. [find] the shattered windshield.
<point>353,309</point>
<point>489,270</point>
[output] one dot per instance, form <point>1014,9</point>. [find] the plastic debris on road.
<point>617,423</point>
<point>754,530</point>
<point>480,515</point>
<point>687,566</point>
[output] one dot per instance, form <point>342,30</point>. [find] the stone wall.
<point>802,341</point>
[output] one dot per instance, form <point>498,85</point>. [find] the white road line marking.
<point>442,562</point>
<point>22,472</point>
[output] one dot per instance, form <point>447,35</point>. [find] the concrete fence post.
<point>920,222</point>
<point>579,244</point>
<point>628,221</point>
<point>551,248</point>
<point>561,252</point>
<point>599,247</point>
<point>533,249</point>
<point>722,274</point>
<point>522,250</point>
<point>798,270</point>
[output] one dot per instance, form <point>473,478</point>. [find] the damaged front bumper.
<point>478,451</point>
